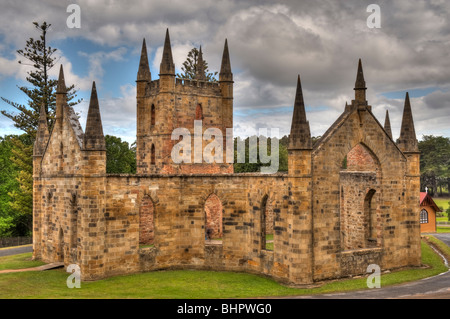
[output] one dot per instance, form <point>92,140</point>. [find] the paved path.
<point>16,250</point>
<point>39,268</point>
<point>437,287</point>
<point>445,237</point>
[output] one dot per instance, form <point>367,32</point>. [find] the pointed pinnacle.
<point>299,106</point>
<point>408,140</point>
<point>43,117</point>
<point>387,124</point>
<point>167,66</point>
<point>300,136</point>
<point>61,87</point>
<point>94,138</point>
<point>225,69</point>
<point>42,133</point>
<point>144,68</point>
<point>200,72</point>
<point>360,82</point>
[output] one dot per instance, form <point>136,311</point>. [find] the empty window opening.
<point>199,112</point>
<point>267,224</point>
<point>370,215</point>
<point>153,115</point>
<point>153,155</point>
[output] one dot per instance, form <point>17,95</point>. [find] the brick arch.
<point>223,195</point>
<point>361,158</point>
<point>146,220</point>
<point>213,210</point>
<point>199,112</point>
<point>359,188</point>
<point>140,195</point>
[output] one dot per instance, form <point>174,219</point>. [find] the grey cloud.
<point>271,42</point>
<point>438,100</point>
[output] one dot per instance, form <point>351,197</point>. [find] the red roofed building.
<point>428,210</point>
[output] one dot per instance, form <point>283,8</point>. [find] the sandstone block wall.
<point>178,109</point>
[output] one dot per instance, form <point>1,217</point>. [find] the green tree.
<point>41,59</point>
<point>189,67</point>
<point>42,91</point>
<point>22,198</point>
<point>15,186</point>
<point>248,167</point>
<point>120,157</point>
<point>435,162</point>
<point>8,183</point>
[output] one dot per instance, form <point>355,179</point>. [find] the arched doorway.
<point>360,176</point>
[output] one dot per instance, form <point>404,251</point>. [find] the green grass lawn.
<point>181,283</point>
<point>443,248</point>
<point>442,202</point>
<point>18,262</point>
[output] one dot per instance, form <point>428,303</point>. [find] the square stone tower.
<point>192,106</point>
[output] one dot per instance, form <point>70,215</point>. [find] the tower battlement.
<point>186,86</point>
<point>168,103</point>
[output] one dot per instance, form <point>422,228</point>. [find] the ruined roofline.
<point>74,124</point>
<point>215,175</point>
<point>339,122</point>
<point>199,86</point>
<point>360,85</point>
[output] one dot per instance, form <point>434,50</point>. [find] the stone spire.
<point>225,69</point>
<point>387,125</point>
<point>300,136</point>
<point>61,98</point>
<point>61,87</point>
<point>167,66</point>
<point>407,141</point>
<point>42,134</point>
<point>144,68</point>
<point>200,71</point>
<point>360,85</point>
<point>93,138</point>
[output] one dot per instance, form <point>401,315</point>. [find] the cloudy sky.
<point>270,43</point>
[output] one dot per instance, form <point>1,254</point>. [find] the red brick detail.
<point>146,221</point>
<point>213,214</point>
<point>199,112</point>
<point>361,159</point>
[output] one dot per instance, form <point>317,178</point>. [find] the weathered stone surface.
<point>328,220</point>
